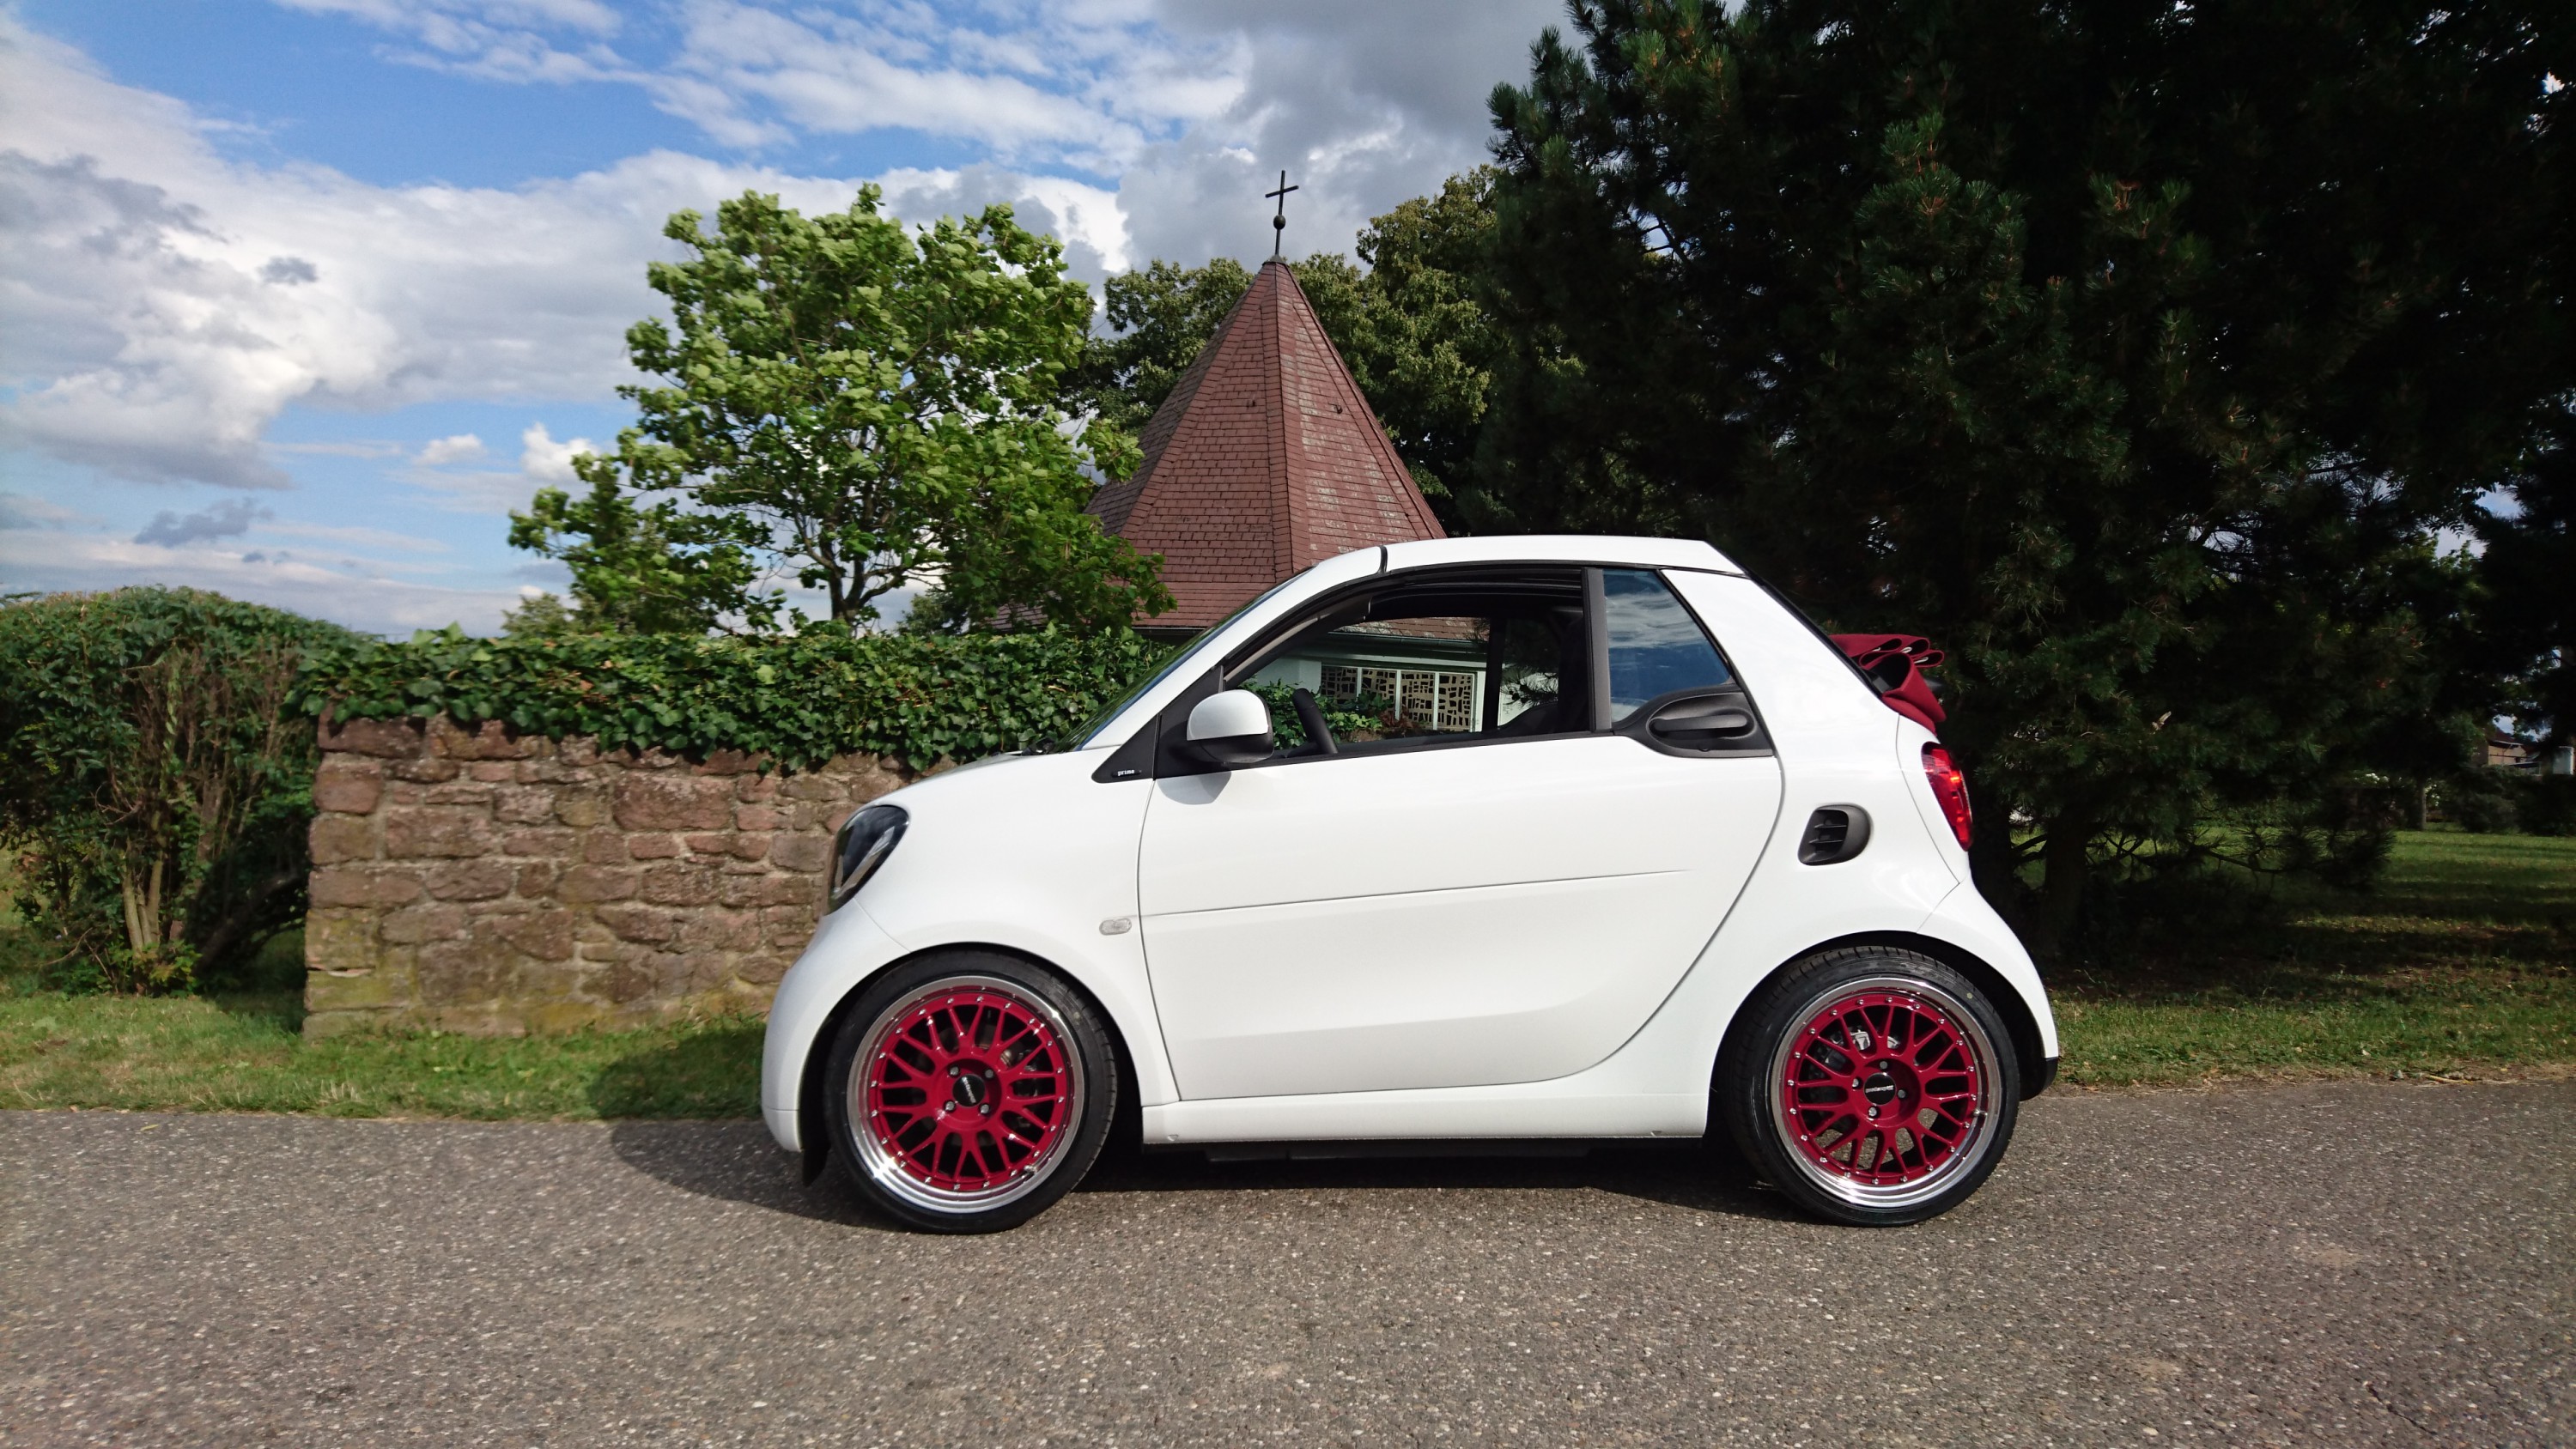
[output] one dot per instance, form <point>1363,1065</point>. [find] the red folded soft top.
<point>1895,665</point>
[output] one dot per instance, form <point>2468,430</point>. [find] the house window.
<point>1439,700</point>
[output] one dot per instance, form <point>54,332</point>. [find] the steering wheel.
<point>1311,715</point>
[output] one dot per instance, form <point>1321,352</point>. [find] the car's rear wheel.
<point>967,1091</point>
<point>1873,1085</point>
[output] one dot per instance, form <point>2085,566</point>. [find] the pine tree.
<point>2137,353</point>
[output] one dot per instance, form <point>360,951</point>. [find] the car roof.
<point>1652,553</point>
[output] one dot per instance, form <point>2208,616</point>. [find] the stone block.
<point>710,842</point>
<point>678,884</point>
<point>537,881</point>
<point>641,924</point>
<point>582,809</point>
<point>414,925</point>
<point>604,847</point>
<point>800,852</point>
<point>456,973</point>
<point>788,928</point>
<point>652,847</point>
<point>400,792</point>
<point>479,880</point>
<point>545,935</point>
<point>820,788</point>
<point>753,789</point>
<point>769,890</point>
<point>337,839</point>
<point>757,817</point>
<point>587,883</point>
<point>348,784</point>
<point>492,772</point>
<point>727,762</point>
<point>761,968</point>
<point>488,741</point>
<point>437,832</point>
<point>356,885</point>
<point>708,929</point>
<point>749,847</point>
<point>462,792</point>
<point>389,739</point>
<point>425,771</point>
<point>361,990</point>
<point>552,844</point>
<point>673,802</point>
<point>339,939</point>
<point>523,805</point>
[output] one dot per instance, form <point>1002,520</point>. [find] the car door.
<point>1500,900</point>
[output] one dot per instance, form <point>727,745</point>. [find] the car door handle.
<point>1719,721</point>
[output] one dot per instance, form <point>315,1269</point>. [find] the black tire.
<point>1828,1045</point>
<point>1012,1135</point>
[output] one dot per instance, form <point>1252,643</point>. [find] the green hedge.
<point>799,700</point>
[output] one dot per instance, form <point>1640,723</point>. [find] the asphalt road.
<point>2361,1264</point>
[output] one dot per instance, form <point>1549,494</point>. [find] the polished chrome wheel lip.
<point>1971,1150</point>
<point>884,1169</point>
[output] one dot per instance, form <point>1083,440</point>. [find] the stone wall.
<point>478,882</point>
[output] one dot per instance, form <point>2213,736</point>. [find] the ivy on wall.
<point>799,700</point>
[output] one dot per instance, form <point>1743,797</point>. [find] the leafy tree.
<point>876,406</point>
<point>2528,574</point>
<point>642,568</point>
<point>2134,352</point>
<point>1160,316</point>
<point>155,785</point>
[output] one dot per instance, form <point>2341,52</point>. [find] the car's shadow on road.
<point>736,1162</point>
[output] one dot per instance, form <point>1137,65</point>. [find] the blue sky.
<point>298,298</point>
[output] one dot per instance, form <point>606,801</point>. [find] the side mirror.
<point>1230,727</point>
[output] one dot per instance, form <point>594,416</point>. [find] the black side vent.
<point>1834,833</point>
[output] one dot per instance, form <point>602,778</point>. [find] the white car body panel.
<point>1501,912</point>
<point>1032,855</point>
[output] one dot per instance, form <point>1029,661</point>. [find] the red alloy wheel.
<point>1882,1090</point>
<point>969,1091</point>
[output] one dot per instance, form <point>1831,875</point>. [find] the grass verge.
<point>2462,964</point>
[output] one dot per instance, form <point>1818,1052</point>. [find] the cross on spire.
<point>1279,218</point>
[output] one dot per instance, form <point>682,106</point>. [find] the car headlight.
<point>866,839</point>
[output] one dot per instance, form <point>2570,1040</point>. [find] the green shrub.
<point>155,786</point>
<point>799,700</point>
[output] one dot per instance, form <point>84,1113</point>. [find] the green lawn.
<point>2462,964</point>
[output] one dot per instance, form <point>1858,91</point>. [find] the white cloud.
<point>1194,106</point>
<point>153,331</point>
<point>460,448</point>
<point>544,459</point>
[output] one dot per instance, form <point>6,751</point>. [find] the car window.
<point>1091,732</point>
<point>1432,660</point>
<point>1656,647</point>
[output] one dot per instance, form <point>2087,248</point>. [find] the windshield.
<point>1087,735</point>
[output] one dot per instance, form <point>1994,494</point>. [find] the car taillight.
<point>1951,789</point>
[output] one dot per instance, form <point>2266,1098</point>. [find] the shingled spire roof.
<point>1264,461</point>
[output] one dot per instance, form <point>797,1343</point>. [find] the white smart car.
<point>1551,838</point>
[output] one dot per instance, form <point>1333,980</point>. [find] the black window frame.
<point>1159,750</point>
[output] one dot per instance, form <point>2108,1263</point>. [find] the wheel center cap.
<point>971,1089</point>
<point>1879,1088</point>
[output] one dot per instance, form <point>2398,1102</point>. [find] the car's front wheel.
<point>1873,1085</point>
<point>967,1091</point>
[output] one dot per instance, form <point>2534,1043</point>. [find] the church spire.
<point>1264,461</point>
